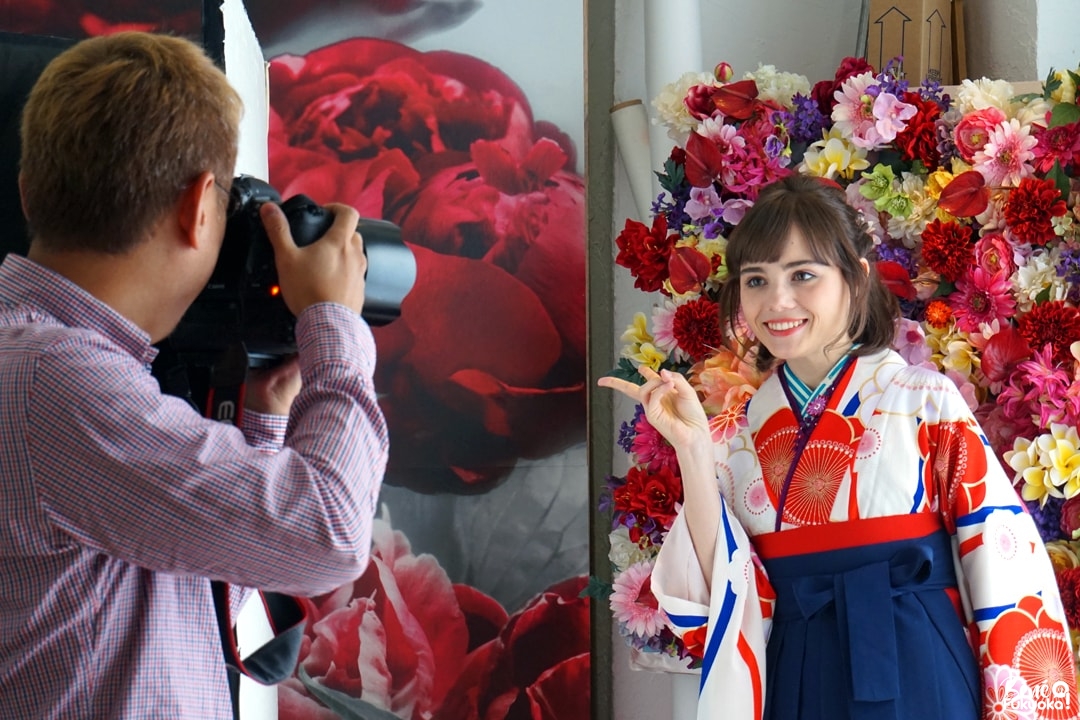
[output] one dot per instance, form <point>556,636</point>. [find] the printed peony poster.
<point>462,122</point>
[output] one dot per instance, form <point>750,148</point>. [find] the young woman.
<point>855,549</point>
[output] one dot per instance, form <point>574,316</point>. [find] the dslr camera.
<point>241,311</point>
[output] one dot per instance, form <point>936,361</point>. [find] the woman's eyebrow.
<point>785,266</point>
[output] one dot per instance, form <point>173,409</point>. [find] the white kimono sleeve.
<point>734,615</point>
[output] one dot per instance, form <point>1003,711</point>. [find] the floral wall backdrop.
<point>462,122</point>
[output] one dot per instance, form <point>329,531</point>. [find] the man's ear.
<point>22,197</point>
<point>194,208</point>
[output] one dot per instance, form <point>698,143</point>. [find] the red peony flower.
<point>1029,209</point>
<point>947,248</point>
<point>486,364</point>
<point>645,251</point>
<point>1053,323</point>
<point>699,101</point>
<point>88,18</point>
<point>537,668</point>
<point>696,327</point>
<point>396,637</point>
<point>918,141</point>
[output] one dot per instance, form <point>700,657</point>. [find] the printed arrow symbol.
<point>892,24</point>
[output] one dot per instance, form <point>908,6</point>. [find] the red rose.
<point>486,364</point>
<point>395,639</point>
<point>650,493</point>
<point>536,669</point>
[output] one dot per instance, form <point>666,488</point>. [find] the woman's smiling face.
<point>798,308</point>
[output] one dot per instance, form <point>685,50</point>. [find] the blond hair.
<point>113,130</point>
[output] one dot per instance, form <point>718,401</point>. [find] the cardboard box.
<point>919,30</point>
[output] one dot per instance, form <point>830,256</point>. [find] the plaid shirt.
<point>118,502</point>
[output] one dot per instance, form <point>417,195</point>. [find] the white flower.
<point>1036,275</point>
<point>624,552</point>
<point>670,104</point>
<point>779,87</point>
<point>983,93</point>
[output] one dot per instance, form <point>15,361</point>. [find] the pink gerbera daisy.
<point>633,603</point>
<point>981,297</point>
<point>1006,157</point>
<point>651,449</point>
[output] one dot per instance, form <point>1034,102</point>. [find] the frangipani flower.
<point>834,156</point>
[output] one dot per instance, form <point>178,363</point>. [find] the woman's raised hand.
<point>671,405</point>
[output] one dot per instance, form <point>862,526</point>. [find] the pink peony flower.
<point>994,254</point>
<point>973,130</point>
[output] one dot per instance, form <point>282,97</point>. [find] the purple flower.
<point>805,122</point>
<point>1047,518</point>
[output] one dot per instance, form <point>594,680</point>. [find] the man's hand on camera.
<point>329,270</point>
<point>272,390</point>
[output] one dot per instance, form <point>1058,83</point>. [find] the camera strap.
<point>275,660</point>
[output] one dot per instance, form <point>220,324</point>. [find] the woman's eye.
<point>803,276</point>
<point>753,282</point>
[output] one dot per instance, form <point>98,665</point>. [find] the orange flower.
<point>938,314</point>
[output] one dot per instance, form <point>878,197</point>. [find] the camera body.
<point>240,320</point>
<point>242,300</point>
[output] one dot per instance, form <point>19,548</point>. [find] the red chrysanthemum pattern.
<point>947,248</point>
<point>1054,323</point>
<point>1030,208</point>
<point>696,327</point>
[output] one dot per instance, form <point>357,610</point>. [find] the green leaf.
<point>347,707</point>
<point>1061,180</point>
<point>626,370</point>
<point>1064,114</point>
<point>945,287</point>
<point>597,589</point>
<point>1026,97</point>
<point>1043,296</point>
<point>1052,83</point>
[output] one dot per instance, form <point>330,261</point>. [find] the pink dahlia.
<point>1006,157</point>
<point>981,297</point>
<point>633,602</point>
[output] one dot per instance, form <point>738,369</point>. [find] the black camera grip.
<point>308,221</point>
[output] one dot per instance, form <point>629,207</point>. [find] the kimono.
<point>876,564</point>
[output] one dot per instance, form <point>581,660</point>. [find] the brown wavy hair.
<point>835,234</point>
<point>113,130</point>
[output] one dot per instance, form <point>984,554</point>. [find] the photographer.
<point>120,502</point>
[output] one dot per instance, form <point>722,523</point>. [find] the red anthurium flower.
<point>966,196</point>
<point>704,161</point>
<point>896,279</point>
<point>1002,352</point>
<point>688,268</point>
<point>736,100</point>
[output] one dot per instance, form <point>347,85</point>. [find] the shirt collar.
<point>25,282</point>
